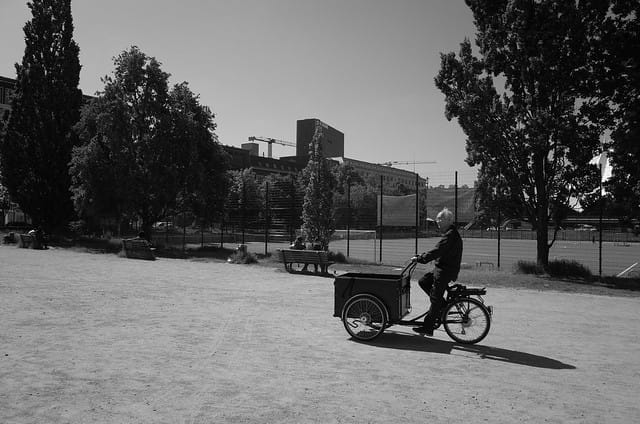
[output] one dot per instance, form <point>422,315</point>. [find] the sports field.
<point>96,338</point>
<point>616,257</point>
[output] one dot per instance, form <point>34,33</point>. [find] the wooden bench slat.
<point>313,257</point>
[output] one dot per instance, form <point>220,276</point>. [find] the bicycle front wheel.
<point>466,320</point>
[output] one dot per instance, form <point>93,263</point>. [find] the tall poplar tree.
<point>36,148</point>
<point>318,182</point>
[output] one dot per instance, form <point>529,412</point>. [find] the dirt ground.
<point>95,338</point>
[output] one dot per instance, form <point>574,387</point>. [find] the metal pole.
<point>184,231</point>
<point>498,235</point>
<point>266,220</point>
<point>244,206</point>
<point>456,201</point>
<point>600,242</point>
<point>426,206</point>
<point>222,230</point>
<point>381,182</point>
<point>417,213</point>
<point>348,213</point>
<point>292,211</point>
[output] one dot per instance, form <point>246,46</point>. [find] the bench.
<point>311,257</point>
<point>138,249</point>
<point>27,241</point>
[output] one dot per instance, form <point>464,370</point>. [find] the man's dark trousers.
<point>434,284</point>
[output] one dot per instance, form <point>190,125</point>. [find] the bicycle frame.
<point>455,293</point>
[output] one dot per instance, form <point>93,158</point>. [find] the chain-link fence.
<point>371,227</point>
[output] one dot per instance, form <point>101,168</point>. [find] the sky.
<point>364,67</point>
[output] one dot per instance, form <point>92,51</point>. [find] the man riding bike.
<point>447,254</point>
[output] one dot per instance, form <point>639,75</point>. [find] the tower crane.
<point>396,162</point>
<point>270,142</point>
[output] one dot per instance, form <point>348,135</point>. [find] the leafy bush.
<point>528,267</point>
<point>78,228</point>
<point>556,268</point>
<point>568,268</point>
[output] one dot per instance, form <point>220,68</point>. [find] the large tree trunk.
<point>542,256</point>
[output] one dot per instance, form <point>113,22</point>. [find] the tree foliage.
<point>36,148</point>
<point>245,198</point>
<point>531,139</point>
<point>319,183</point>
<point>614,42</point>
<point>146,150</point>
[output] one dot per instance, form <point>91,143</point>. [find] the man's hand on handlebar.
<point>420,259</point>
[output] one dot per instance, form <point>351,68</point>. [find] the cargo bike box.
<point>391,289</point>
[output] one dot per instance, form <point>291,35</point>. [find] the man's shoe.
<point>423,330</point>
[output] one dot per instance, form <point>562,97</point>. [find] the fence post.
<point>381,182</point>
<point>600,242</point>
<point>244,207</point>
<point>266,219</point>
<point>498,236</point>
<point>348,213</point>
<point>184,231</point>
<point>417,213</point>
<point>292,210</point>
<point>456,200</point>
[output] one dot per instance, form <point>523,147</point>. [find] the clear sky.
<point>365,67</point>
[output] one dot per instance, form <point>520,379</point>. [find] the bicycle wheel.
<point>364,317</point>
<point>466,320</point>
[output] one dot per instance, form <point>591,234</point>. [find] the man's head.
<point>444,219</point>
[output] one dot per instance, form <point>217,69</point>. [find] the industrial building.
<point>332,142</point>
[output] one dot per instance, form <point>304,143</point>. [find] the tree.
<point>284,202</point>
<point>146,150</point>
<point>532,136</point>
<point>36,148</point>
<point>317,207</point>
<point>614,40</point>
<point>200,161</point>
<point>244,199</point>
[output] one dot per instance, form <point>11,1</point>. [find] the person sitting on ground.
<point>447,255</point>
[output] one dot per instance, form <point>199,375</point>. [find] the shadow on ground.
<point>417,343</point>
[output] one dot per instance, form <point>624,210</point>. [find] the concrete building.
<point>391,176</point>
<point>6,91</point>
<point>332,148</point>
<point>332,140</point>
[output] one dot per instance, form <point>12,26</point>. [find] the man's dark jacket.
<point>447,254</point>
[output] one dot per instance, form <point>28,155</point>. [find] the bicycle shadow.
<point>405,341</point>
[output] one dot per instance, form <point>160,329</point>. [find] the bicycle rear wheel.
<point>466,320</point>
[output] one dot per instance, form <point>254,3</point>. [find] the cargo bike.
<point>370,303</point>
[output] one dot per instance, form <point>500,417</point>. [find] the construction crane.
<point>396,162</point>
<point>270,142</point>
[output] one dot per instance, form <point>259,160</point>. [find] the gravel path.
<point>95,338</point>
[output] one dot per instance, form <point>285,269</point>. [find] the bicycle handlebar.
<point>411,266</point>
